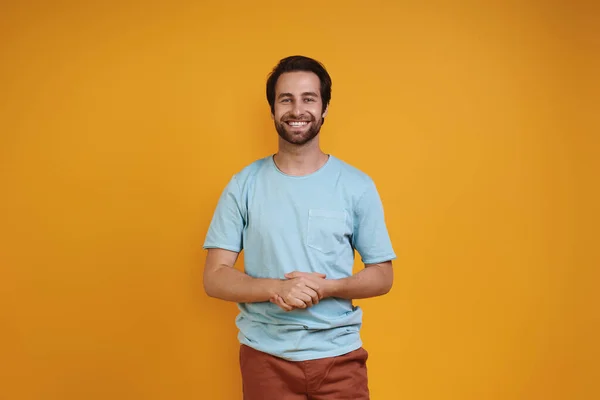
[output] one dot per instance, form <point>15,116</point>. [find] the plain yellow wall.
<point>121,123</point>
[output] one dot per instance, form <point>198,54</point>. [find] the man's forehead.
<point>298,80</point>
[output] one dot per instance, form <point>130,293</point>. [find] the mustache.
<point>289,117</point>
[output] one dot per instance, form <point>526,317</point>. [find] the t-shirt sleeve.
<point>227,224</point>
<point>370,236</point>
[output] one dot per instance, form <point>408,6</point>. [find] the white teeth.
<point>296,124</point>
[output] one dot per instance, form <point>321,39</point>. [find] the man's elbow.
<point>386,286</point>
<point>208,283</point>
<point>208,289</point>
<point>387,281</point>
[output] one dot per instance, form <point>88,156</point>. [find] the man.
<point>299,215</point>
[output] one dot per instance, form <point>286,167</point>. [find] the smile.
<point>297,124</point>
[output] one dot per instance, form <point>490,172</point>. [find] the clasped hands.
<point>300,290</point>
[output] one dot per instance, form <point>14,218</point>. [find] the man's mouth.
<point>297,124</point>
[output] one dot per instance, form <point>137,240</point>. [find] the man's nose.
<point>297,109</point>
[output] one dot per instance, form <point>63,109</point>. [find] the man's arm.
<point>224,282</point>
<point>372,241</point>
<point>374,280</point>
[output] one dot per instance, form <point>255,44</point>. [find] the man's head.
<point>298,92</point>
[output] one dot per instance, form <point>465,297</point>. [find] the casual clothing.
<point>310,223</point>
<point>265,377</point>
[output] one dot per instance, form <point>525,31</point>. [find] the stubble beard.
<point>298,139</point>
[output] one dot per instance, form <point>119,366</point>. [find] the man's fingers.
<point>312,295</point>
<point>294,301</point>
<point>311,287</point>
<point>282,304</point>
<point>316,297</point>
<point>302,290</point>
<point>312,284</point>
<point>305,298</point>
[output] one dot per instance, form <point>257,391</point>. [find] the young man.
<point>299,215</point>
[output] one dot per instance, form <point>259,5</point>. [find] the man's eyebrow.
<point>303,94</point>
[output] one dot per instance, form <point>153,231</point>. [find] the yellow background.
<point>120,124</point>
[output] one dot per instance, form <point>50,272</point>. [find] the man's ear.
<point>325,112</point>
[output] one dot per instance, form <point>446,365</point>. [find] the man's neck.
<point>299,160</point>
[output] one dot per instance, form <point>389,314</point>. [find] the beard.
<point>295,136</point>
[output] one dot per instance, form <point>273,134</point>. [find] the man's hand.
<point>300,290</point>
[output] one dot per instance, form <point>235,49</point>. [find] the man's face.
<point>298,107</point>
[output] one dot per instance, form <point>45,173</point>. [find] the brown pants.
<point>265,377</point>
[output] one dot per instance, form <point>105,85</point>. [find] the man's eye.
<point>285,100</point>
<point>309,99</point>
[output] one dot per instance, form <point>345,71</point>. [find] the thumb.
<point>291,274</point>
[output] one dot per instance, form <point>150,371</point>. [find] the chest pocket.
<point>326,229</point>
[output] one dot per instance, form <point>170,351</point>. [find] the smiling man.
<point>299,215</point>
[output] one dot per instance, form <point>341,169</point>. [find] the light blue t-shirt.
<point>311,223</point>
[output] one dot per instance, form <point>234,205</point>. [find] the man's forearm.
<point>227,283</point>
<point>374,280</point>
